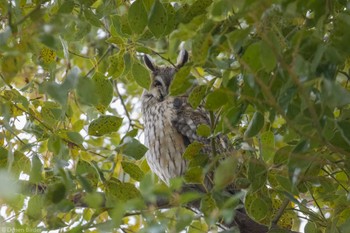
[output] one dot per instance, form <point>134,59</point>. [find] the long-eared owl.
<point>170,122</point>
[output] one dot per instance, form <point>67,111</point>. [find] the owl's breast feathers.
<point>166,145</point>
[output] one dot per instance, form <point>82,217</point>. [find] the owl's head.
<point>162,76</point>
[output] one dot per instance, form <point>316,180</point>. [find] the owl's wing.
<point>187,121</point>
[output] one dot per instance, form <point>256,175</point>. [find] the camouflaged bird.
<point>170,126</point>
<point>171,123</point>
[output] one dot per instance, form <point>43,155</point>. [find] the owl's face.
<point>162,76</point>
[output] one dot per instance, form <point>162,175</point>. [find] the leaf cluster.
<point>274,73</point>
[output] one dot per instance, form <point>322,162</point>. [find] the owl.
<point>170,123</point>
<point>170,126</point>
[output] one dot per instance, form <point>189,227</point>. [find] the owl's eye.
<point>157,83</point>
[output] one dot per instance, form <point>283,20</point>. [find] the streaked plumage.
<point>170,123</point>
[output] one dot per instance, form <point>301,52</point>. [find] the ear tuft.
<point>182,58</point>
<point>149,62</point>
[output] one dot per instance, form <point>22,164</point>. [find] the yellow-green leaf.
<point>35,172</point>
<point>197,95</point>
<point>158,19</point>
<point>181,82</point>
<point>203,130</point>
<point>192,150</point>
<point>104,125</point>
<point>133,148</point>
<point>35,207</point>
<point>194,175</point>
<point>141,75</point>
<point>104,91</point>
<point>257,173</point>
<point>255,125</point>
<point>267,145</point>
<point>133,170</point>
<point>258,209</point>
<point>215,100</point>
<point>137,16</point>
<point>225,173</point>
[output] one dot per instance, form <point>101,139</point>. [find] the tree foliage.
<point>275,71</point>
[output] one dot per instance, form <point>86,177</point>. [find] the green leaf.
<point>35,207</point>
<point>200,48</point>
<point>67,7</point>
<point>121,25</point>
<point>86,91</point>
<point>8,185</point>
<point>221,8</point>
<point>282,155</point>
<point>83,28</point>
<point>258,209</point>
<point>267,57</point>
<point>194,175</point>
<point>92,18</point>
<point>267,145</point>
<point>242,183</point>
<point>55,144</point>
<point>181,82</point>
<point>334,95</point>
<point>116,65</point>
<point>94,200</point>
<point>250,57</point>
<point>104,91</point>
<point>20,164</point>
<point>133,170</point>
<point>36,170</point>
<point>344,128</point>
<point>192,150</point>
<point>104,125</point>
<point>137,16</point>
<point>197,8</point>
<point>158,19</point>
<point>311,227</point>
<point>255,125</point>
<point>141,75</point>
<point>203,130</point>
<point>284,182</point>
<point>172,21</point>
<point>225,173</point>
<point>133,148</point>
<point>87,176</point>
<point>57,92</point>
<point>257,173</point>
<point>73,137</point>
<point>4,153</point>
<point>208,205</point>
<point>216,99</point>
<point>51,112</point>
<point>116,191</point>
<point>56,192</point>
<point>197,95</point>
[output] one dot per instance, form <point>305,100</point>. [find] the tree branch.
<point>280,212</point>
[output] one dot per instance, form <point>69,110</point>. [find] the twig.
<point>7,84</point>
<point>318,206</point>
<point>99,60</point>
<point>123,104</point>
<point>164,58</point>
<point>332,176</point>
<point>36,118</point>
<point>78,55</point>
<point>27,15</point>
<point>280,212</point>
<point>212,126</point>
